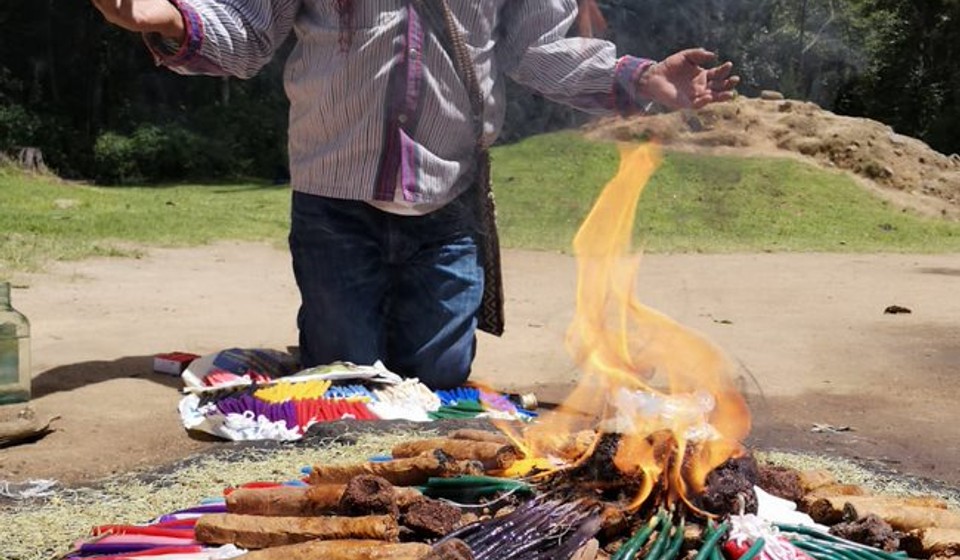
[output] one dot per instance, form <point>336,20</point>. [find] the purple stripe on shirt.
<point>409,155</point>
<point>391,158</point>
<point>409,166</point>
<point>193,41</point>
<point>188,53</point>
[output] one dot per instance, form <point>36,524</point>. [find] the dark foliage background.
<point>91,98</point>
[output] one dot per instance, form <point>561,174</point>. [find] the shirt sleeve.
<point>226,37</point>
<point>584,73</point>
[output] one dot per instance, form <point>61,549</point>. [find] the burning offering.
<point>644,459</point>
<point>656,409</point>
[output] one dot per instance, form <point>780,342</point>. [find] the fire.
<point>665,389</point>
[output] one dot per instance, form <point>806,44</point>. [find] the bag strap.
<point>439,17</point>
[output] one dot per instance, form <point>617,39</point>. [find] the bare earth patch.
<point>808,331</point>
<point>825,369</point>
<point>901,169</point>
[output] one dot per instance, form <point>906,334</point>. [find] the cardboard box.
<point>172,363</point>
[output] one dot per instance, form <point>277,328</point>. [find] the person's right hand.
<point>144,16</point>
<point>681,81</point>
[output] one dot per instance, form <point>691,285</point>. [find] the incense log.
<point>257,531</point>
<point>903,514</point>
<point>493,456</point>
<point>480,435</point>
<point>453,549</point>
<point>307,501</point>
<point>431,518</point>
<point>342,550</point>
<point>871,531</point>
<point>285,501</point>
<point>782,482</point>
<point>589,551</point>
<point>613,520</point>
<point>810,480</point>
<point>832,490</point>
<point>410,471</point>
<point>407,496</point>
<point>693,536</point>
<point>925,543</point>
<point>368,495</point>
<point>577,445</point>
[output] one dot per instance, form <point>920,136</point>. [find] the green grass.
<point>545,187</point>
<point>696,203</point>
<point>44,220</point>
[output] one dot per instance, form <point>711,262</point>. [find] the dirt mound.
<point>899,168</point>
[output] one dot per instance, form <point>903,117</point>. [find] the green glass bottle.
<point>15,375</point>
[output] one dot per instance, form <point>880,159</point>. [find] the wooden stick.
<point>493,456</point>
<point>903,514</point>
<point>256,531</point>
<point>342,550</point>
<point>410,471</point>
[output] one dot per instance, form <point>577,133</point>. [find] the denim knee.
<point>451,369</point>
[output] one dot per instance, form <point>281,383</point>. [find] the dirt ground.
<point>808,331</point>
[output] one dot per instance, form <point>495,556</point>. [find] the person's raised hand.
<point>144,16</point>
<point>681,81</point>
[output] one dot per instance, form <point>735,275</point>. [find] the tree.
<point>912,81</point>
<point>67,79</point>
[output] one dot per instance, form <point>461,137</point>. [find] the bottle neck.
<point>4,295</point>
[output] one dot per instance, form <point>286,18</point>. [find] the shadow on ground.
<point>76,376</point>
<point>876,432</point>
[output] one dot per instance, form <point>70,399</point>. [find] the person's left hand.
<point>681,82</point>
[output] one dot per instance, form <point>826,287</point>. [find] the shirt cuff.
<point>626,85</point>
<point>168,52</point>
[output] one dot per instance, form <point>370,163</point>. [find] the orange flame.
<point>674,433</point>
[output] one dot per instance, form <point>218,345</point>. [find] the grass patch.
<point>43,529</point>
<point>43,219</point>
<point>546,185</point>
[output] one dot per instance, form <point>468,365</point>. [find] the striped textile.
<point>388,119</point>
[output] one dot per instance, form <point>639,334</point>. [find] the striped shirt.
<point>388,118</point>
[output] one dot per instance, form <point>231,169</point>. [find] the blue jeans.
<point>378,286</point>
